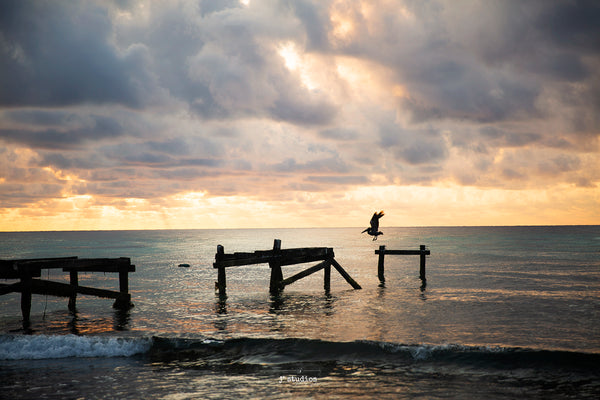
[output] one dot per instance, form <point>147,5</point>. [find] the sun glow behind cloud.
<point>404,206</point>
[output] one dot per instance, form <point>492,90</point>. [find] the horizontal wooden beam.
<point>281,257</point>
<point>405,252</point>
<point>101,265</point>
<point>12,269</point>
<point>15,269</point>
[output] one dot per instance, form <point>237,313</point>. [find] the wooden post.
<point>221,279</point>
<point>74,280</point>
<point>327,278</point>
<point>25,296</point>
<point>422,269</point>
<point>380,268</point>
<point>124,299</point>
<point>276,274</point>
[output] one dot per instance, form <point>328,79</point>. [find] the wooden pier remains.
<point>277,258</point>
<point>422,252</point>
<point>29,272</point>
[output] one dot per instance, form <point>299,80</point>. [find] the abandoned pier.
<point>28,272</point>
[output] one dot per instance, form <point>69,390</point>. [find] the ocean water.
<point>506,312</point>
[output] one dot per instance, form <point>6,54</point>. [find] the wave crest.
<point>15,347</point>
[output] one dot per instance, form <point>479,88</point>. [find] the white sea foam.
<point>16,347</point>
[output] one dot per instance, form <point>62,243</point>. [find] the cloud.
<point>61,131</point>
<point>118,100</point>
<point>60,54</point>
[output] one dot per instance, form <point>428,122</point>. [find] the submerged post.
<point>74,280</point>
<point>124,300</point>
<point>422,268</point>
<point>276,273</point>
<point>380,267</point>
<point>221,280</point>
<point>327,277</point>
<point>25,296</point>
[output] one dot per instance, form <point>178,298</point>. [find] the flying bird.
<point>374,229</point>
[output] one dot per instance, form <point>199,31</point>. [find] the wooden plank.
<point>285,257</point>
<point>9,269</point>
<point>101,265</point>
<point>305,273</point>
<point>405,252</point>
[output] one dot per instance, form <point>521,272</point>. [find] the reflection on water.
<point>527,287</point>
<point>121,320</point>
<point>90,322</point>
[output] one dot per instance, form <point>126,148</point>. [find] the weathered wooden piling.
<point>221,279</point>
<point>380,266</point>
<point>422,264</point>
<point>28,272</point>
<point>277,258</point>
<point>276,273</point>
<point>327,278</point>
<point>422,252</point>
<point>74,280</point>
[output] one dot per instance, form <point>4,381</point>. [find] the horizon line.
<point>314,227</point>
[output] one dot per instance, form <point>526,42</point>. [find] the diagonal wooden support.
<point>305,273</point>
<point>347,277</point>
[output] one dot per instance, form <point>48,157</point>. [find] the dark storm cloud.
<point>572,24</point>
<point>420,146</point>
<point>482,62</point>
<point>16,195</point>
<point>315,21</point>
<point>450,87</point>
<point>89,129</point>
<point>508,138</point>
<point>59,53</point>
<point>73,162</point>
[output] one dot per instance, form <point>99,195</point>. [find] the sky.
<point>125,114</point>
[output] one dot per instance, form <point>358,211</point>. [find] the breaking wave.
<point>261,352</point>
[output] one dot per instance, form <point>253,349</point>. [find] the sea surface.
<point>506,312</point>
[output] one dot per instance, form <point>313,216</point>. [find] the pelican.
<point>374,229</point>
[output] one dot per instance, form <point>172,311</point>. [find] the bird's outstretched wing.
<point>375,220</point>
